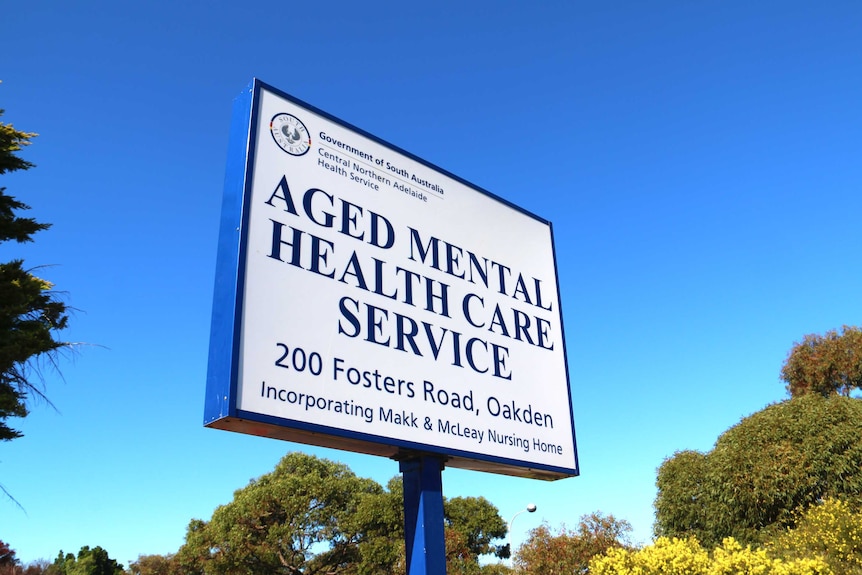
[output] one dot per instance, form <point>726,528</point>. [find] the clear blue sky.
<point>700,162</point>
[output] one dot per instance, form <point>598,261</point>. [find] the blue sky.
<point>699,162</point>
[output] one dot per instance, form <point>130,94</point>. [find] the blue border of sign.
<point>223,367</point>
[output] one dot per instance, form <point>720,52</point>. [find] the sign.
<point>367,300</point>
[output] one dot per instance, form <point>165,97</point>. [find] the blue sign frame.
<point>221,410</point>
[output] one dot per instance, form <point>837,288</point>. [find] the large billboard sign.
<point>367,300</point>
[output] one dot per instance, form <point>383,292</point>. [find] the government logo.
<point>290,134</point>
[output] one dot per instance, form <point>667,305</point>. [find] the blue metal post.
<point>423,515</point>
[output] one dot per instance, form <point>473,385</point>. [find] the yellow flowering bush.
<point>673,556</point>
<point>832,531</point>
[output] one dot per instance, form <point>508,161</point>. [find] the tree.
<point>195,552</point>
<point>764,470</point>
<point>153,565</point>
<point>471,524</point>
<point>296,519</point>
<point>93,561</point>
<point>479,522</point>
<point>312,515</point>
<point>8,561</point>
<point>10,565</point>
<point>681,501</point>
<point>382,522</point>
<point>30,311</point>
<point>570,551</point>
<point>37,567</point>
<point>831,363</point>
<point>498,568</point>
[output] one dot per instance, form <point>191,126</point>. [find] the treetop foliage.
<point>478,521</point>
<point>11,142</point>
<point>763,470</point>
<point>298,518</point>
<point>93,561</point>
<point>825,364</point>
<point>570,551</point>
<point>312,515</point>
<point>12,227</point>
<point>152,565</point>
<point>30,311</point>
<point>7,555</point>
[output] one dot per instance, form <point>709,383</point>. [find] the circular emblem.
<point>290,134</point>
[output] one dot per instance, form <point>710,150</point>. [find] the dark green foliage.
<point>11,141</point>
<point>93,561</point>
<point>680,497</point>
<point>16,228</point>
<point>313,515</point>
<point>478,521</point>
<point>495,569</point>
<point>29,315</point>
<point>30,312</point>
<point>381,520</point>
<point>471,526</point>
<point>13,227</point>
<point>295,519</point>
<point>195,552</point>
<point>782,459</point>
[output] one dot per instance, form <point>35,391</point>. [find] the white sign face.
<point>385,306</point>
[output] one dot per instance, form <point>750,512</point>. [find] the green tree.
<point>30,311</point>
<point>296,519</point>
<point>681,503</point>
<point>825,364</point>
<point>471,525</point>
<point>93,561</point>
<point>312,515</point>
<point>153,565</point>
<point>195,552</point>
<point>479,523</point>
<point>570,551</point>
<point>381,519</point>
<point>498,568</point>
<point>763,470</point>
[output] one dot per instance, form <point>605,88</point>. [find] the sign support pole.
<point>423,515</point>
